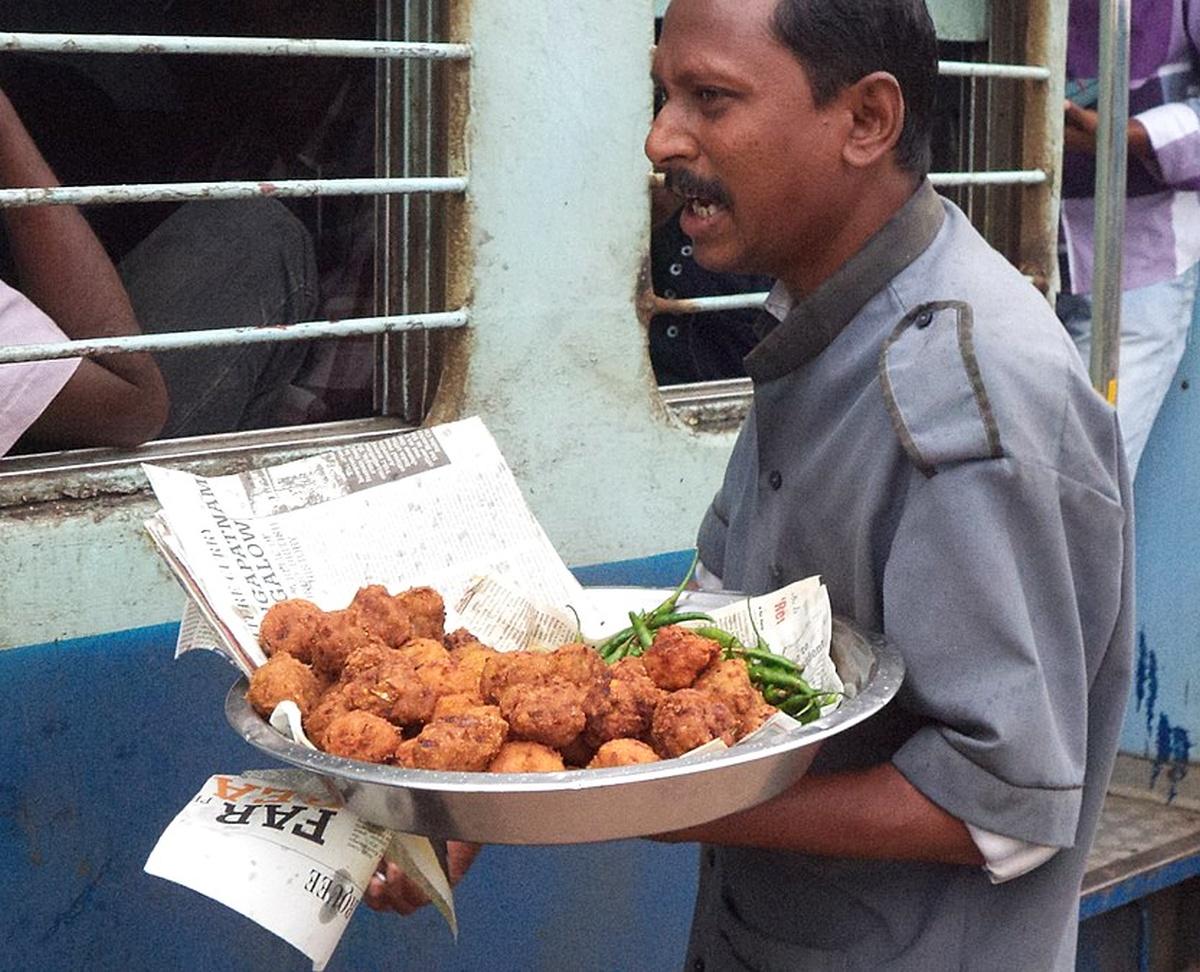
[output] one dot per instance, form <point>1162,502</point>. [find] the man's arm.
<point>112,399</point>
<point>868,814</point>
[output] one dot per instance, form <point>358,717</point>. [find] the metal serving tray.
<point>580,806</point>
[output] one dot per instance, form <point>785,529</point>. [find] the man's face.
<point>756,164</point>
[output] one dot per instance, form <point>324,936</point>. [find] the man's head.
<point>792,128</point>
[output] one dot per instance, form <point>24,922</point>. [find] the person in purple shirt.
<point>1162,230</point>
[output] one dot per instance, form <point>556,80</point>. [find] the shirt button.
<point>710,856</point>
<point>775,480</point>
<point>669,294</point>
<point>685,250</point>
<point>675,269</point>
<point>698,965</point>
<point>672,331</point>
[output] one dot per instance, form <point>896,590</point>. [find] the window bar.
<point>184,191</point>
<point>221,337</point>
<point>702,305</point>
<point>975,69</point>
<point>254,46</point>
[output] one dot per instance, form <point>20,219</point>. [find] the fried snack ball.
<point>338,636</point>
<point>392,691</point>
<point>283,677</point>
<point>448,705</point>
<point>447,678</point>
<point>526,757</point>
<point>690,718</point>
<point>381,615</point>
<point>756,717</point>
<point>728,680</point>
<point>331,705</point>
<point>290,626</point>
<point>467,742</point>
<point>622,752</point>
<point>361,735</point>
<point>505,669</point>
<point>677,656</point>
<point>472,658</point>
<point>459,638</point>
<point>627,707</point>
<point>548,712</point>
<point>426,610</point>
<point>422,651</point>
<point>578,663</point>
<point>365,659</point>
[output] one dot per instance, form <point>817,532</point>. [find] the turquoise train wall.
<point>1163,719</point>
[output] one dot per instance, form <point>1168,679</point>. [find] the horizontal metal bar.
<point>256,46</point>
<point>185,191</point>
<point>1017,177</point>
<point>701,305</point>
<point>222,337</point>
<point>973,69</point>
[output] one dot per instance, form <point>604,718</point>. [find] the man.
<point>924,436</point>
<point>69,289</point>
<point>1162,227</point>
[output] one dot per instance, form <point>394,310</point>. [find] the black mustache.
<point>683,183</point>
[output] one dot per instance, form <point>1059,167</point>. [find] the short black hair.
<point>838,42</point>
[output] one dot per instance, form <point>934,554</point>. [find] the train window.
<point>248,191</point>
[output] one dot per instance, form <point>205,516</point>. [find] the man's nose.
<point>668,139</point>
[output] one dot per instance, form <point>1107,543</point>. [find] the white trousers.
<point>1155,322</point>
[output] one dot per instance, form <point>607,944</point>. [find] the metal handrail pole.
<point>1112,151</point>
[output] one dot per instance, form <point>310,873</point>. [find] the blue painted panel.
<point>105,741</point>
<point>661,570</point>
<point>1163,717</point>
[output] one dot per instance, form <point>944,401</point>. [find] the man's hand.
<point>398,893</point>
<point>1080,126</point>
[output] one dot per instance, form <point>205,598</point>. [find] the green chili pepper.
<point>677,618</point>
<point>644,637</point>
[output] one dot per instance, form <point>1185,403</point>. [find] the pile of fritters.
<point>381,681</point>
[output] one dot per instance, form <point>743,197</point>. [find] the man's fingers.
<point>395,892</point>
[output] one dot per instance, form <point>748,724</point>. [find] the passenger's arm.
<point>112,399</point>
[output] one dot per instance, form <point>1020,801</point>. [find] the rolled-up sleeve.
<point>1174,132</point>
<point>999,591</point>
<point>27,388</point>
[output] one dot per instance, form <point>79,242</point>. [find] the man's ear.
<point>876,106</point>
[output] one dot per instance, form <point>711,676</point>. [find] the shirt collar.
<point>793,332</point>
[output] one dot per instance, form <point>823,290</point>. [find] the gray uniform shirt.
<point>924,436</point>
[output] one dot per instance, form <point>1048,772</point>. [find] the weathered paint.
<point>1163,716</point>
<point>556,360</point>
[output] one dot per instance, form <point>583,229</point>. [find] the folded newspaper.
<point>436,507</point>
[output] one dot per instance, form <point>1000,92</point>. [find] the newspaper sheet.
<point>436,507</point>
<point>274,847</point>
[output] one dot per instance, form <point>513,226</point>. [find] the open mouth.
<point>703,208</point>
<point>702,198</point>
